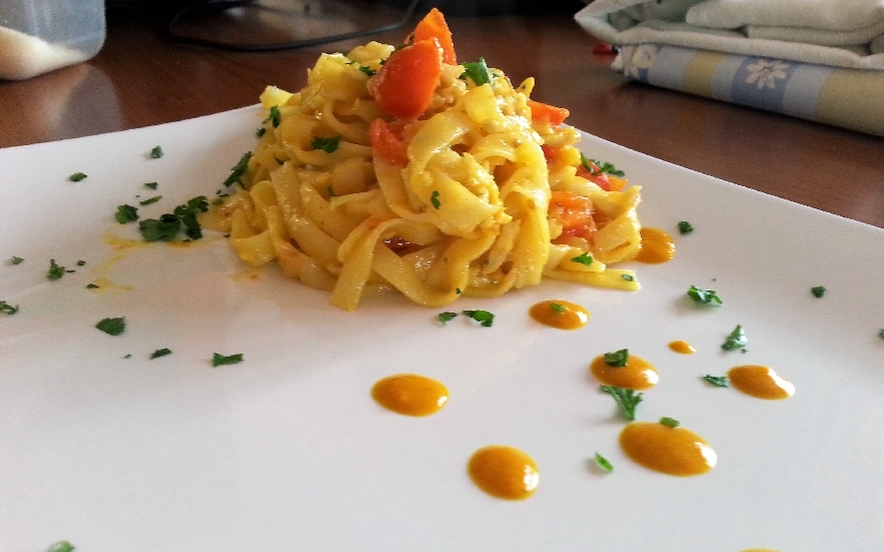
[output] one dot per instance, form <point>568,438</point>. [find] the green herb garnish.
<point>477,71</point>
<point>164,228</point>
<point>55,271</point>
<point>685,227</point>
<point>6,308</point>
<point>557,308</point>
<point>736,340</point>
<point>222,360</point>
<point>818,291</point>
<point>704,296</point>
<point>328,145</point>
<point>16,260</point>
<point>160,353</point>
<point>717,381</point>
<point>92,285</point>
<point>77,176</point>
<point>446,316</point>
<point>584,258</point>
<point>881,333</point>
<point>274,117</point>
<point>151,185</point>
<point>156,152</point>
<point>238,170</point>
<point>112,326</point>
<point>603,463</point>
<point>669,422</point>
<point>617,359</point>
<point>368,70</point>
<point>126,213</point>
<point>61,546</point>
<point>596,167</point>
<point>628,277</point>
<point>626,399</point>
<point>150,200</point>
<point>483,317</point>
<point>260,132</point>
<point>434,199</point>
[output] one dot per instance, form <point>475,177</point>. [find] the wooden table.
<point>139,78</point>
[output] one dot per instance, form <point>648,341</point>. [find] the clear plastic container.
<point>38,36</point>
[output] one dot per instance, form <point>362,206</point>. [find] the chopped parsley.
<point>704,296</point>
<point>626,399</point>
<point>736,340</point>
<point>6,308</point>
<point>274,116</point>
<point>617,359</point>
<point>77,176</point>
<point>596,167</point>
<point>477,71</point>
<point>261,131</point>
<point>603,463</point>
<point>223,360</point>
<point>92,285</point>
<point>150,200</point>
<point>55,271</point>
<point>557,308</point>
<point>160,353</point>
<point>717,381</point>
<point>685,227</point>
<point>112,326</point>
<point>434,199</point>
<point>881,333</point>
<point>238,170</point>
<point>368,70</point>
<point>818,291</point>
<point>331,192</point>
<point>81,262</point>
<point>446,316</point>
<point>166,227</point>
<point>151,185</point>
<point>669,422</point>
<point>61,546</point>
<point>16,260</point>
<point>483,317</point>
<point>156,152</point>
<point>328,145</point>
<point>126,213</point>
<point>628,277</point>
<point>584,258</point>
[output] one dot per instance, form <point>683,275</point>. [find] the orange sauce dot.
<point>760,382</point>
<point>504,472</point>
<point>673,451</point>
<point>638,373</point>
<point>410,394</point>
<point>563,315</point>
<point>682,347</point>
<point>656,247</point>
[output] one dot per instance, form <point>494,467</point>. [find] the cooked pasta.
<point>402,169</point>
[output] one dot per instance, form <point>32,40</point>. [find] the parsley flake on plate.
<point>16,260</point>
<point>446,316</point>
<point>55,271</point>
<point>238,170</point>
<point>77,176</point>
<point>704,296</point>
<point>628,277</point>
<point>626,399</point>
<point>126,214</point>
<point>483,317</point>
<point>717,381</point>
<point>223,360</point>
<point>156,152</point>
<point>151,185</point>
<point>685,227</point>
<point>603,463</point>
<point>617,359</point>
<point>160,353</point>
<point>669,422</point>
<point>61,546</point>
<point>735,340</point>
<point>150,200</point>
<point>6,308</point>
<point>112,326</point>
<point>818,291</point>
<point>557,308</point>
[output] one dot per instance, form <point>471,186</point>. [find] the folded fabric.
<point>841,33</point>
<point>848,98</point>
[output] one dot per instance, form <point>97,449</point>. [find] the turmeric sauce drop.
<point>504,472</point>
<point>656,247</point>
<point>682,347</point>
<point>563,315</point>
<point>760,382</point>
<point>673,451</point>
<point>410,394</point>
<point>638,373</point>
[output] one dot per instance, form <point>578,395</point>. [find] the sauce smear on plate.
<point>504,472</point>
<point>410,394</point>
